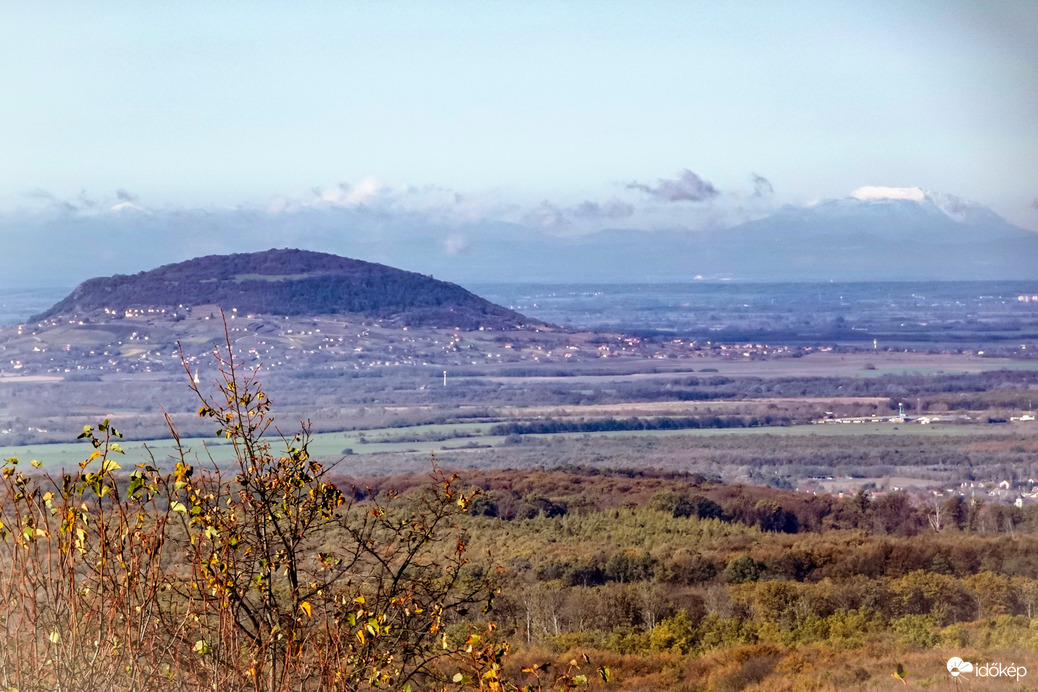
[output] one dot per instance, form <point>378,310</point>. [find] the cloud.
<point>687,187</point>
<point>1034,204</point>
<point>83,204</point>
<point>547,215</point>
<point>418,205</point>
<point>44,200</point>
<point>956,206</point>
<point>761,186</point>
<point>613,209</point>
<point>365,190</point>
<point>580,217</point>
<point>346,195</point>
<point>638,206</point>
<point>47,200</point>
<point>454,244</point>
<point>426,228</point>
<point>38,193</point>
<point>85,201</point>
<point>450,222</point>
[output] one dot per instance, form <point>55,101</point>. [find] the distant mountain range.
<point>291,282</point>
<point>876,234</point>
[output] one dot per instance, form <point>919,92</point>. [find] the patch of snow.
<point>126,206</point>
<point>874,192</point>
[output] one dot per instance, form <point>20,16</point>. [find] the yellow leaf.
<point>109,465</point>
<point>305,607</point>
<point>177,506</point>
<point>54,637</point>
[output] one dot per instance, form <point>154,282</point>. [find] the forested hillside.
<point>682,583</point>
<point>291,282</point>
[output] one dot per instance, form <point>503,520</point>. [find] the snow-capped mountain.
<point>871,235</point>
<point>893,214</point>
<point>958,209</point>
<point>874,233</point>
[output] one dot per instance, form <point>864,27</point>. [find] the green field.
<point>69,454</point>
<point>333,445</point>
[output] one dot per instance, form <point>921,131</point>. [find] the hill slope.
<point>292,282</point>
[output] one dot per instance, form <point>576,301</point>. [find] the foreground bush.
<point>261,577</point>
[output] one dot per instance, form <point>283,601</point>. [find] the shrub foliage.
<point>262,577</point>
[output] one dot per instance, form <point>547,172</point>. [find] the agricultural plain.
<point>690,512</point>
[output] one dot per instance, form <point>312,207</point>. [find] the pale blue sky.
<point>192,105</point>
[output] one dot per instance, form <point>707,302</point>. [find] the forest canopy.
<point>291,282</point>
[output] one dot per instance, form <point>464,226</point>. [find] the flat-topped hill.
<point>291,282</point>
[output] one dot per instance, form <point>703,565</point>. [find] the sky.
<point>566,117</point>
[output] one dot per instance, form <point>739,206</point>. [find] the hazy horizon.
<point>139,135</point>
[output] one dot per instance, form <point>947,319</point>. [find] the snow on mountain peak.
<point>956,208</point>
<point>876,192</point>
